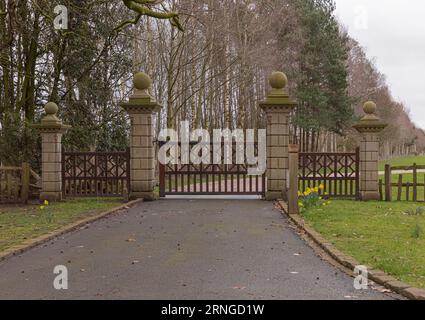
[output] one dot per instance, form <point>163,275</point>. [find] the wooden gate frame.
<point>178,174</point>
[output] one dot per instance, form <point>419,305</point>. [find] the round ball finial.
<point>369,107</point>
<point>51,108</point>
<point>278,80</point>
<point>142,81</point>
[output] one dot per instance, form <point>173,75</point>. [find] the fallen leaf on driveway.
<point>239,288</point>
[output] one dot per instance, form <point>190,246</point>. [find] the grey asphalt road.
<point>181,249</point>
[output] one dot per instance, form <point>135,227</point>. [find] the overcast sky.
<point>393,33</point>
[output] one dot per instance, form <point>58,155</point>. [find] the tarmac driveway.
<point>181,249</point>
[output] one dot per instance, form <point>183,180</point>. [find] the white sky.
<point>393,33</point>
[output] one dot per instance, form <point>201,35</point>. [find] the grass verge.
<point>21,223</point>
<point>377,234</point>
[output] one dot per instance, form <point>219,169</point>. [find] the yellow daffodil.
<point>300,194</point>
<point>321,187</point>
<point>46,203</point>
<point>42,207</point>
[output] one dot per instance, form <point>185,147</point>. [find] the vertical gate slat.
<point>63,173</point>
<point>335,175</point>
<point>201,176</point>
<point>84,175</point>
<point>346,176</point>
<point>357,173</point>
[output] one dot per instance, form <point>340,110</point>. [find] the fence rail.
<point>96,174</point>
<point>407,185</point>
<point>18,184</point>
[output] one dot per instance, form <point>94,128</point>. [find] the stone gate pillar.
<point>278,107</point>
<point>369,126</point>
<point>51,129</point>
<point>141,108</point>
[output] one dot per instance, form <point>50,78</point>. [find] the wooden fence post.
<point>415,182</point>
<point>25,181</point>
<point>388,183</point>
<point>293,179</point>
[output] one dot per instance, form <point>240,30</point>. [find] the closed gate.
<point>337,172</point>
<point>211,179</point>
<point>96,174</point>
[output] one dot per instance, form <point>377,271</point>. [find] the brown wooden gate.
<point>213,179</point>
<point>96,174</point>
<point>338,172</point>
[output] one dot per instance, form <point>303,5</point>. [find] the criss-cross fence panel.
<point>337,172</point>
<point>210,179</point>
<point>96,174</point>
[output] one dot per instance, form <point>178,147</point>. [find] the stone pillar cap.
<point>141,100</point>
<point>370,122</point>
<point>50,122</point>
<point>278,96</point>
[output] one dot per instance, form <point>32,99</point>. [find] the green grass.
<point>18,224</point>
<point>377,234</point>
<point>403,161</point>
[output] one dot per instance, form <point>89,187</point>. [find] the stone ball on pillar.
<point>142,81</point>
<point>278,80</point>
<point>369,107</point>
<point>51,108</point>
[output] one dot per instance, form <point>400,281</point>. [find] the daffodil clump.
<point>45,204</point>
<point>48,214</point>
<point>311,197</point>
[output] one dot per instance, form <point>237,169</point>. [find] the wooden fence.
<point>18,184</point>
<point>96,174</point>
<point>338,172</point>
<point>403,183</point>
